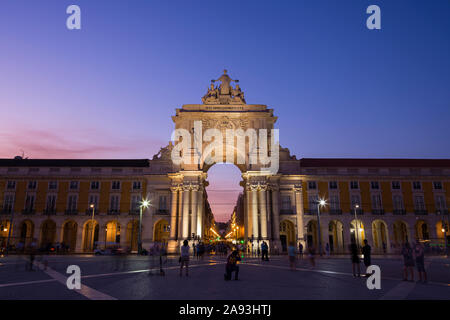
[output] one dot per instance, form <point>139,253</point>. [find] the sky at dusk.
<point>109,90</point>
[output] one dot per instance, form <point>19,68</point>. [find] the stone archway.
<point>336,236</point>
<point>132,235</point>
<point>91,231</point>
<point>69,237</point>
<point>357,232</point>
<point>48,233</point>
<point>311,234</point>
<point>4,232</point>
<point>112,233</point>
<point>26,232</point>
<point>161,231</point>
<point>380,236</point>
<point>287,234</point>
<point>401,234</point>
<point>422,230</point>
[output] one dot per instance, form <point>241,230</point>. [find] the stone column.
<point>248,212</point>
<point>194,208</point>
<point>180,213</point>
<point>79,243</point>
<point>276,217</point>
<point>200,207</point>
<point>173,213</point>
<point>368,234</point>
<point>299,213</point>
<point>263,210</point>
<point>254,211</point>
<point>185,220</point>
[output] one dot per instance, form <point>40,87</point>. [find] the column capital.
<point>297,187</point>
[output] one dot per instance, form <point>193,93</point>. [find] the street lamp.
<point>320,203</point>
<point>92,206</point>
<point>356,228</point>
<point>144,204</point>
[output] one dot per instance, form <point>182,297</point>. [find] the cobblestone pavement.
<point>133,277</point>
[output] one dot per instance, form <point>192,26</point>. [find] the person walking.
<point>420,261</point>
<point>327,249</point>
<point>232,265</point>
<point>408,261</point>
<point>366,251</point>
<point>291,255</point>
<point>300,250</point>
<point>354,254</point>
<point>184,258</point>
<point>265,251</point>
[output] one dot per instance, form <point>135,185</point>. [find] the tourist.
<point>408,261</point>
<point>194,250</point>
<point>232,265</point>
<point>184,258</point>
<point>366,251</point>
<point>300,250</point>
<point>327,250</point>
<point>265,251</point>
<point>355,259</point>
<point>420,261</point>
<point>311,256</point>
<point>291,255</point>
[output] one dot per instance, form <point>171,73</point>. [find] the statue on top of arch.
<point>224,93</point>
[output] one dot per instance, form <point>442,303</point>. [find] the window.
<point>135,202</point>
<point>93,199</point>
<point>396,185</point>
<point>11,185</point>
<point>419,203</point>
<point>333,185</point>
<point>312,185</point>
<point>437,185</point>
<point>334,202</point>
<point>51,202</point>
<point>355,199</point>
<point>376,201</point>
<point>29,202</point>
<point>95,185</point>
<point>114,203</point>
<point>32,185</point>
<point>136,185</point>
<point>313,202</point>
<point>162,202</point>
<point>52,185</point>
<point>73,185</point>
<point>72,203</point>
<point>8,203</point>
<point>440,202</point>
<point>398,202</point>
<point>354,185</point>
<point>374,185</point>
<point>417,185</point>
<point>285,202</point>
<point>115,185</point>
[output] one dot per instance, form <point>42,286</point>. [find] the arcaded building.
<point>81,202</point>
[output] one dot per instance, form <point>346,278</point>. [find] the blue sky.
<point>340,90</point>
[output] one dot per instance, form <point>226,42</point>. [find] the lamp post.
<point>92,206</point>
<point>356,228</point>
<point>144,204</point>
<point>320,203</point>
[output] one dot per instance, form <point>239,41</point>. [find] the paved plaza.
<point>114,277</point>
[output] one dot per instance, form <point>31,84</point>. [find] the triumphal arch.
<point>225,129</point>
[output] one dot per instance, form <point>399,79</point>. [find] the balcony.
<point>6,210</point>
<point>286,211</point>
<point>162,211</point>
<point>399,212</point>
<point>359,211</point>
<point>28,211</point>
<point>420,212</point>
<point>378,212</point>
<point>50,211</point>
<point>442,212</point>
<point>71,212</point>
<point>88,212</point>
<point>113,212</point>
<point>310,212</point>
<point>134,212</point>
<point>335,211</point>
